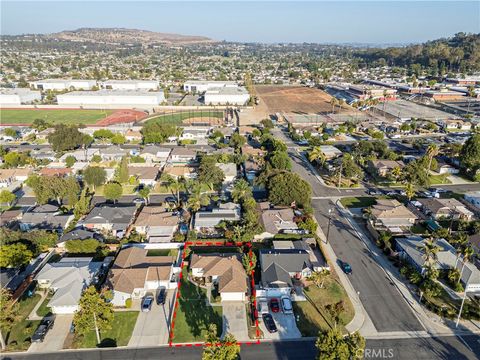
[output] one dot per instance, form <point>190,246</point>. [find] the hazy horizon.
<point>343,22</point>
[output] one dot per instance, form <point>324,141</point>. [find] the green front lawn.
<point>26,116</point>
<point>44,310</point>
<point>19,336</point>
<point>439,179</point>
<point>118,335</point>
<point>310,321</point>
<point>194,316</point>
<point>358,202</point>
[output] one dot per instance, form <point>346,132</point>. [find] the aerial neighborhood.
<point>236,193</point>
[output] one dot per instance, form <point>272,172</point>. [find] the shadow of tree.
<point>108,342</point>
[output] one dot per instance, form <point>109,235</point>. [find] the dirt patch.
<point>122,116</point>
<point>296,99</point>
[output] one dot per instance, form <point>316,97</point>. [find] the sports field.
<point>178,118</point>
<point>65,116</point>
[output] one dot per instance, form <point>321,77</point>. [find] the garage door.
<point>64,309</point>
<point>233,296</point>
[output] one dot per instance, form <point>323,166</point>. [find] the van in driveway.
<point>263,306</point>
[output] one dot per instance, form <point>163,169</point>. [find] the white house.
<point>111,97</point>
<point>18,96</point>
<point>67,278</point>
<point>63,84</point>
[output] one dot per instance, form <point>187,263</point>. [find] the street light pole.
<point>461,306</point>
<point>329,222</point>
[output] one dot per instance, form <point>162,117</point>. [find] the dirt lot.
<point>295,99</point>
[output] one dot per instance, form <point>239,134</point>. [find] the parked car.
<point>138,201</point>
<point>170,199</point>
<point>347,269</point>
<point>147,303</point>
<point>274,305</point>
<point>263,305</point>
<point>42,330</point>
<point>374,192</point>
<point>161,297</point>
<point>287,305</point>
<point>269,323</point>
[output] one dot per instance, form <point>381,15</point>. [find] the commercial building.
<point>18,96</point>
<point>195,86</point>
<point>63,84</point>
<point>444,95</point>
<point>226,95</point>
<point>130,84</point>
<point>111,97</point>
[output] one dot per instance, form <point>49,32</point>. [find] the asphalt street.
<point>381,299</point>
<point>447,348</point>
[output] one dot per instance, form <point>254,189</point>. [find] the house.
<point>276,220</point>
<point>43,154</point>
<point>43,135</point>
<point>78,234</point>
<point>182,155</point>
<point>223,270</point>
<point>84,155</point>
<point>444,168</point>
<point>280,267</point>
<point>252,169</point>
<point>67,278</point>
<point>330,152</point>
<point>9,176</point>
<point>473,197</point>
<point>230,172</point>
<point>47,217</point>
<point>155,153</point>
<point>113,152</point>
<point>195,133</point>
<point>108,218</point>
<point>445,209</point>
<point>133,135</point>
<point>252,152</point>
<point>226,131</point>
<point>56,171</point>
<point>384,168</point>
<point>146,175</point>
<point>206,221</point>
<point>410,249</point>
<point>316,257</point>
<point>10,216</point>
<point>391,215</point>
<point>182,171</point>
<point>156,223</point>
<point>134,273</point>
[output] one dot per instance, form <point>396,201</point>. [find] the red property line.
<point>177,297</point>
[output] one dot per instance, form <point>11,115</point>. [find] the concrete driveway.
<point>235,320</point>
<point>286,325</point>
<point>55,336</point>
<point>152,327</point>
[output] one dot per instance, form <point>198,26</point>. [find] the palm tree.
<point>429,249</point>
<point>144,193</point>
<point>467,254</point>
<point>196,200</point>
<point>409,191</point>
<point>333,102</point>
<point>316,154</point>
<point>460,241</point>
<point>318,277</point>
<point>241,190</point>
<point>172,184</point>
<point>335,310</point>
<point>432,151</point>
<point>397,172</point>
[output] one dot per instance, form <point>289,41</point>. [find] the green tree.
<point>209,173</point>
<point>470,155</point>
<point>66,138</point>
<point>86,246</point>
<point>70,161</point>
<point>241,190</point>
<point>95,313</point>
<point>332,345</point>
<point>286,188</point>
<point>410,191</point>
<point>14,255</point>
<point>121,173</point>
<point>118,139</point>
<point>96,158</point>
<point>432,151</point>
<point>11,132</point>
<point>319,277</point>
<point>82,206</point>
<point>103,134</point>
<point>113,191</point>
<point>40,124</point>
<point>267,123</point>
<point>280,160</point>
<point>7,197</point>
<point>216,349</point>
<point>237,140</point>
<point>316,154</point>
<point>94,176</point>
<point>8,314</point>
<point>14,159</point>
<point>144,193</point>
<point>156,133</point>
<point>249,262</point>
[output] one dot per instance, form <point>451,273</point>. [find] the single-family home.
<point>110,218</point>
<point>113,152</point>
<point>181,171</point>
<point>206,221</point>
<point>133,135</point>
<point>10,216</point>
<point>56,171</point>
<point>410,249</point>
<point>223,270</point>
<point>316,257</point>
<point>445,209</point>
<point>43,154</point>
<point>134,273</point>
<point>252,153</point>
<point>330,152</point>
<point>47,217</point>
<point>384,168</point>
<point>155,153</point>
<point>67,278</point>
<point>391,215</point>
<point>146,175</point>
<point>9,176</point>
<point>84,155</point>
<point>182,155</point>
<point>444,168</point>
<point>473,197</point>
<point>194,133</point>
<point>157,223</point>
<point>276,220</point>
<point>230,172</point>
<point>78,234</point>
<point>281,267</point>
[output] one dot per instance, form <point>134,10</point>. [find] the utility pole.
<point>329,222</point>
<point>461,306</point>
<point>340,174</point>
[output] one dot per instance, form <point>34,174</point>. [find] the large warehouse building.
<point>111,98</point>
<point>195,86</point>
<point>226,96</point>
<point>130,84</point>
<point>18,96</point>
<point>61,84</point>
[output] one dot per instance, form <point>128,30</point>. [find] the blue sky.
<point>314,21</point>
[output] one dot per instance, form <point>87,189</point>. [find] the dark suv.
<point>42,330</point>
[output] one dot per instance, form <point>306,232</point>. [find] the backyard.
<point>119,335</point>
<point>26,116</point>
<point>194,315</point>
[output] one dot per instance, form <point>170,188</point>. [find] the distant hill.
<point>115,36</point>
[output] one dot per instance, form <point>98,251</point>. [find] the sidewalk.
<point>33,314</point>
